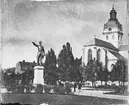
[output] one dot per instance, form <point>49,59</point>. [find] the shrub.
<point>121,89</point>
<point>63,89</point>
<point>59,89</point>
<point>118,89</point>
<point>11,88</point>
<point>68,88</point>
<point>39,89</point>
<point>47,88</point>
<point>113,86</point>
<point>20,89</point>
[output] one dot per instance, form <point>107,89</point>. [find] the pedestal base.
<point>38,75</point>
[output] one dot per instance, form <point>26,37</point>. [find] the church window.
<point>89,54</point>
<point>107,37</point>
<point>118,37</point>
<point>98,55</point>
<point>113,37</point>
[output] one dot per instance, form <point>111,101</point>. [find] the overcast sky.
<point>54,23</point>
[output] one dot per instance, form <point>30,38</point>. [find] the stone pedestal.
<point>38,75</point>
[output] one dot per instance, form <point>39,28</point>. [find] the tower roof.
<point>113,21</point>
<point>113,13</point>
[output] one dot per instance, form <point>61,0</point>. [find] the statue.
<point>41,52</point>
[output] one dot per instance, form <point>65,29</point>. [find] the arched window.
<point>89,54</point>
<point>113,37</point>
<point>107,37</point>
<point>98,55</point>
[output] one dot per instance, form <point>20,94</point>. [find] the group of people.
<point>77,85</point>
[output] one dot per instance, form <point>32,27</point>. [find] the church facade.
<point>110,47</point>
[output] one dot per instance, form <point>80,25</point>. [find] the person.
<point>75,86</point>
<point>79,86</point>
<point>41,52</point>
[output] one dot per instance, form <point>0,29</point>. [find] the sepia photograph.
<point>64,52</point>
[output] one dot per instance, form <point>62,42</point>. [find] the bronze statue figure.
<point>41,52</point>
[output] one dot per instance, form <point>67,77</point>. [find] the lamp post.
<point>106,58</point>
<point>83,56</point>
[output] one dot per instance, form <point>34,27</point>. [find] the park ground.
<point>86,96</point>
<point>54,99</point>
<point>102,93</point>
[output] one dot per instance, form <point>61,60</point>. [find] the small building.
<point>23,66</point>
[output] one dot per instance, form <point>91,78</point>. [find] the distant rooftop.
<point>22,66</point>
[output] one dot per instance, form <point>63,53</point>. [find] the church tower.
<point>113,31</point>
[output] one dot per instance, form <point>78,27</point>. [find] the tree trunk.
<point>95,84</point>
<point>105,83</point>
<point>92,83</point>
<point>123,83</point>
<point>119,82</point>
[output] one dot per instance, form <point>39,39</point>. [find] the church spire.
<point>113,13</point>
<point>112,6</point>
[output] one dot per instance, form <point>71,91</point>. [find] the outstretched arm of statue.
<point>35,44</point>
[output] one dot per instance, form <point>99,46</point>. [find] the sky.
<point>54,23</point>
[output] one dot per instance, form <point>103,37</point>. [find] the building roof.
<point>113,23</point>
<point>27,65</point>
<point>119,56</point>
<point>123,48</point>
<point>101,43</point>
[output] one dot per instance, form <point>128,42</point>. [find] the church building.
<point>110,47</point>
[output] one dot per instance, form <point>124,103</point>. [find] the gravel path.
<point>97,93</point>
